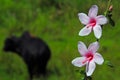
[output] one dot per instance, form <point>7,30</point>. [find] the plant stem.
<point>85,77</point>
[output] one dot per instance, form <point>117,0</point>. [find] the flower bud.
<point>111,8</point>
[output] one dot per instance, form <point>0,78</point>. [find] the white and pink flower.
<point>89,57</point>
<point>92,22</point>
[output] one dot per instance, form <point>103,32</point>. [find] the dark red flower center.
<point>92,22</point>
<point>89,56</point>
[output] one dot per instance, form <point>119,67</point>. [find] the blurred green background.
<point>57,23</point>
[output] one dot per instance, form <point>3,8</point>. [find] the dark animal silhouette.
<point>34,51</point>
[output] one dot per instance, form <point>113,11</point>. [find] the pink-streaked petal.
<point>85,31</point>
<point>83,18</point>
<point>93,47</point>
<point>93,11</point>
<point>78,62</point>
<point>90,68</point>
<point>101,20</point>
<point>98,58</point>
<point>82,48</point>
<point>97,31</point>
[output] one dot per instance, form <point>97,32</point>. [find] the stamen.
<point>87,59</point>
<point>90,25</point>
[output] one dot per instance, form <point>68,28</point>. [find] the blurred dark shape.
<point>108,63</point>
<point>111,21</point>
<point>34,51</point>
<point>49,3</point>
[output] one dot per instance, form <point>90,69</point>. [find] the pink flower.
<point>92,22</point>
<point>89,57</point>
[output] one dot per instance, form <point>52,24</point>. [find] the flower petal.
<point>83,18</point>
<point>85,31</point>
<point>101,20</point>
<point>90,68</point>
<point>93,47</point>
<point>93,11</point>
<point>82,48</point>
<point>78,61</point>
<point>98,58</point>
<point>97,31</point>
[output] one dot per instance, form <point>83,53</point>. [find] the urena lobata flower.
<point>92,22</point>
<point>89,57</point>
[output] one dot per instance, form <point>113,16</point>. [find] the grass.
<point>57,23</point>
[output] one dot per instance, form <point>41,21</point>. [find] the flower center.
<point>89,57</point>
<point>92,23</point>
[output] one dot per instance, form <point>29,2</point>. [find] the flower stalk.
<point>92,22</point>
